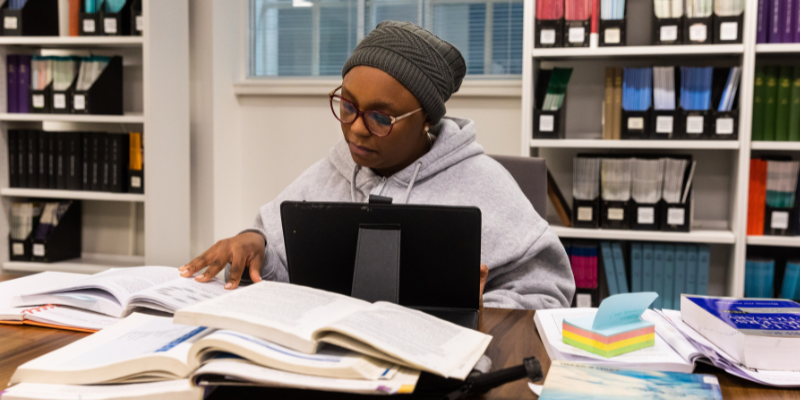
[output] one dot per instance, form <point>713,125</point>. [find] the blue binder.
<point>658,274</point>
<point>619,266</point>
<point>669,277</point>
<point>703,261</point>
<point>691,270</point>
<point>647,267</point>
<point>752,271</point>
<point>608,266</point>
<point>768,282</point>
<point>790,278</point>
<point>680,276</point>
<point>636,267</point>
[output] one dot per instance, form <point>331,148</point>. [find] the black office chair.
<point>531,176</point>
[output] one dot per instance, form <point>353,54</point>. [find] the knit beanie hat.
<point>430,68</point>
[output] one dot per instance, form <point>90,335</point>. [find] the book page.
<point>181,389</point>
<point>66,316</point>
<point>424,341</point>
<point>177,293</point>
<point>10,289</point>
<point>291,309</point>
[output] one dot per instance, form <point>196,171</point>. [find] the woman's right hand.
<point>243,250</point>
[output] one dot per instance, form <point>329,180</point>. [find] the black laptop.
<point>439,252</point>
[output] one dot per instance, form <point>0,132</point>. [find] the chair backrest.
<point>531,176</point>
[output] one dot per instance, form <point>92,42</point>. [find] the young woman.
<point>397,143</point>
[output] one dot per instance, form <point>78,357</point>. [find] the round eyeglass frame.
<point>361,114</point>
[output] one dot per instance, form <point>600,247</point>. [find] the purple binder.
<point>12,63</point>
<point>762,26</point>
<point>796,20</point>
<point>788,20</point>
<point>776,22</point>
<point>24,81</point>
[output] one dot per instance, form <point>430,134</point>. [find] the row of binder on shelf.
<point>672,24</point>
<point>647,192</point>
<point>658,103</point>
<point>72,17</point>
<point>778,22</point>
<point>772,272</point>
<point>774,188</point>
<point>45,231</point>
<point>93,161</point>
<point>776,103</point>
<point>63,85</point>
<point>667,269</point>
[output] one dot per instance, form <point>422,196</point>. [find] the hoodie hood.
<point>455,142</point>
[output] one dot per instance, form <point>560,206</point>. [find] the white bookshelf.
<point>723,166</point>
<point>121,229</point>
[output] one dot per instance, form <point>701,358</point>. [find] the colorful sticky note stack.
<point>617,327</point>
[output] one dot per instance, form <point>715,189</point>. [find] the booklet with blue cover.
<point>567,380</point>
<point>758,333</point>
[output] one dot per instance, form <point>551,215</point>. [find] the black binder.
<point>32,158</point>
<point>118,174</point>
<point>22,159</point>
<point>41,160</point>
<point>60,160</point>
<point>35,18</point>
<point>13,149</point>
<point>74,160</point>
<point>439,248</point>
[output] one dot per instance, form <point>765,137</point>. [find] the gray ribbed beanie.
<point>430,68</point>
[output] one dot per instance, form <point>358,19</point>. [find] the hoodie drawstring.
<point>412,181</point>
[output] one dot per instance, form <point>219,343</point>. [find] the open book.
<point>302,319</point>
<point>48,315</point>
<point>169,390</point>
<point>146,348</point>
<point>117,292</point>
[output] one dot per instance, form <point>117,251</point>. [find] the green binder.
<point>758,105</point>
<point>784,96</point>
<point>770,99</point>
<point>794,114</point>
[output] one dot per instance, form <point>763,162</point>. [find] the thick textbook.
<point>181,389</point>
<point>567,380</point>
<point>117,292</point>
<point>302,319</point>
<point>143,348</point>
<point>757,333</point>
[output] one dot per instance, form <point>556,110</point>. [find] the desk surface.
<point>515,337</point>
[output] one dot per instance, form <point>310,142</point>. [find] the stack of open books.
<point>267,334</point>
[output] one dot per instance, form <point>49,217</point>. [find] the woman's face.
<point>372,89</point>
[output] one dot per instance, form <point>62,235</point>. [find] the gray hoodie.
<point>528,267</point>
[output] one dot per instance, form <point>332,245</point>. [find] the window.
<point>315,37</point>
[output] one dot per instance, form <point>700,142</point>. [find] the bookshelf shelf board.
<point>637,51</point>
<point>696,236</point>
<point>132,118</point>
<point>635,144</point>
<point>780,241</point>
<point>72,41</point>
<point>777,146</point>
<point>778,48</point>
<point>71,194</point>
<point>88,264</point>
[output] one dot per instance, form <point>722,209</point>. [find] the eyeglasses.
<point>377,123</point>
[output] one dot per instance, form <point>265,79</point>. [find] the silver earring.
<point>426,128</point>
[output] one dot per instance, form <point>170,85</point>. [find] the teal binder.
<point>658,274</point>
<point>691,270</point>
<point>790,278</point>
<point>769,280</point>
<point>647,267</point>
<point>636,267</point>
<point>703,261</point>
<point>669,277</point>
<point>680,276</point>
<point>619,266</point>
<point>608,266</point>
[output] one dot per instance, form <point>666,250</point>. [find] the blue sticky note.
<point>622,309</point>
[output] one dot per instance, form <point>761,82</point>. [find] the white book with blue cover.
<point>760,334</point>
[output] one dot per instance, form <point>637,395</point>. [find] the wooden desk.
<point>515,337</point>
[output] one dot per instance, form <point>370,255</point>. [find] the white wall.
<point>247,148</point>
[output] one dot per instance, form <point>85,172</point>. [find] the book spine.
<point>12,158</point>
<point>86,151</point>
<point>608,107</point>
<point>703,263</point>
<point>680,276</point>
<point>775,22</point>
<point>12,66</point>
<point>42,159</point>
<point>794,112</point>
<point>691,270</point>
<point>769,279</point>
<point>758,105</point>
<point>51,160</point>
<point>608,266</point>
<point>669,276</point>
<point>24,83</point>
<point>796,38</point>
<point>22,157</point>
<point>784,95</point>
<point>749,268</point>
<point>761,27</point>
<point>74,16</point>
<point>33,155</point>
<point>75,161</point>
<point>770,102</point>
<point>617,110</point>
<point>636,267</point>
<point>788,18</point>
<point>105,152</point>
<point>61,159</point>
<point>96,174</point>
<point>790,277</point>
<point>647,267</point>
<point>135,162</point>
<point>619,266</point>
<point>658,274</point>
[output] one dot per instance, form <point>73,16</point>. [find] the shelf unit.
<point>722,165</point>
<point>156,102</point>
